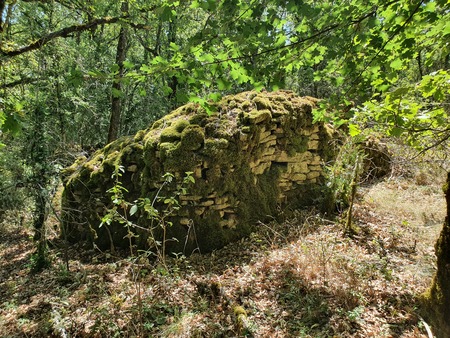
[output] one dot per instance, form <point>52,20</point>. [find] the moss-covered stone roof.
<point>255,152</point>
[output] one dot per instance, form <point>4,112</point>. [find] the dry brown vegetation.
<point>298,278</point>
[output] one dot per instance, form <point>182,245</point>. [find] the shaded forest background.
<point>76,75</point>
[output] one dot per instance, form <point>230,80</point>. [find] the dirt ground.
<point>297,278</point>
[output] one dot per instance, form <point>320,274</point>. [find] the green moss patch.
<point>242,160</point>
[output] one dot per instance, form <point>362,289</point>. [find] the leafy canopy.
<point>389,58</point>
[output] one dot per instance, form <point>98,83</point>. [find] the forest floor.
<point>298,278</point>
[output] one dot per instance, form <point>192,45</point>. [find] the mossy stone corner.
<point>258,153</point>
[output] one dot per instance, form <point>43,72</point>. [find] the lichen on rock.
<point>256,154</point>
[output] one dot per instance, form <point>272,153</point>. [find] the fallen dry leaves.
<point>298,278</point>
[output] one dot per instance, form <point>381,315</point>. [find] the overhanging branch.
<point>316,35</point>
<point>22,81</point>
<point>391,37</point>
<point>63,33</point>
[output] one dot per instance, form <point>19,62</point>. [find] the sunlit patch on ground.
<point>301,278</point>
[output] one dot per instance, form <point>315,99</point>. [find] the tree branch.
<point>438,142</point>
<point>63,33</point>
<point>393,35</point>
<point>22,81</point>
<point>66,4</point>
<point>301,41</point>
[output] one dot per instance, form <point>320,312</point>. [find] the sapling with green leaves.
<point>122,211</point>
<point>160,219</point>
<point>118,211</point>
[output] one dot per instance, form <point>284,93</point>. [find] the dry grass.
<point>301,278</point>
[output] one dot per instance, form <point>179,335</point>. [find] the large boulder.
<point>253,156</point>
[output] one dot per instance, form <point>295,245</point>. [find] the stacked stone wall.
<point>255,154</point>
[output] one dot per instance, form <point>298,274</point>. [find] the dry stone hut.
<point>256,154</point>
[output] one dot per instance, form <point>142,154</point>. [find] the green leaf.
<point>395,131</point>
<point>169,200</point>
<point>396,64</point>
<point>258,86</point>
<point>446,29</point>
<point>165,13</point>
<point>195,4</point>
<point>215,96</point>
<point>133,209</point>
<point>281,41</point>
<point>399,92</point>
<point>11,123</point>
<point>114,68</point>
<point>354,130</point>
<point>76,77</point>
<point>174,47</point>
<point>223,84</point>
<point>430,7</point>
<point>302,27</point>
<point>339,80</point>
<point>117,93</point>
<point>158,60</point>
<point>239,75</point>
<point>167,90</point>
<point>146,69</point>
<point>209,58</point>
<point>128,64</point>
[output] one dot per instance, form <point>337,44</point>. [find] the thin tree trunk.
<point>354,185</point>
<point>173,81</point>
<point>419,64</point>
<point>38,161</point>
<point>4,25</point>
<point>437,298</point>
<point>116,97</point>
<point>2,7</point>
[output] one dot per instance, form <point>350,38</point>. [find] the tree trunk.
<point>420,66</point>
<point>39,213</point>
<point>38,161</point>
<point>2,7</point>
<point>173,81</point>
<point>116,92</point>
<point>5,20</point>
<point>437,298</point>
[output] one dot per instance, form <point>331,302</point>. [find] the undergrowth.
<point>299,278</point>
